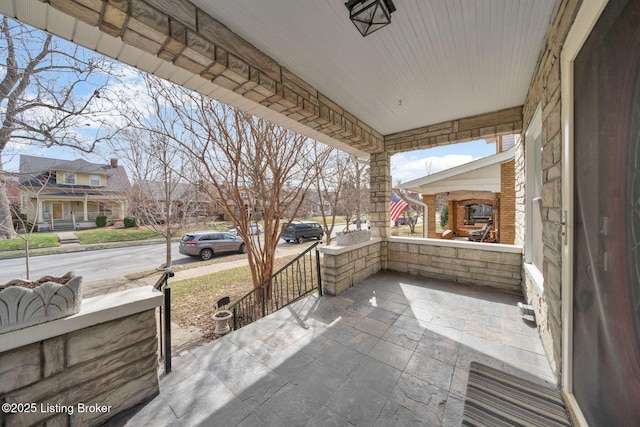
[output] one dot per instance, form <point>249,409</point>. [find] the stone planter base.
<point>26,303</point>
<point>222,322</point>
<point>353,237</point>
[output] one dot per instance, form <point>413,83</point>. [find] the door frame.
<point>586,19</point>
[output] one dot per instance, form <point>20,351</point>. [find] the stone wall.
<point>481,264</point>
<point>84,376</point>
<point>545,91</point>
<point>346,266</point>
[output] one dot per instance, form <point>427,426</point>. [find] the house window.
<point>94,180</point>
<point>533,162</point>
<point>70,178</point>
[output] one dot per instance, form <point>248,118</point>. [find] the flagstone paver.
<point>392,351</point>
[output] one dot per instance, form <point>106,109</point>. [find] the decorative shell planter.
<point>353,237</point>
<point>26,303</point>
<point>222,321</point>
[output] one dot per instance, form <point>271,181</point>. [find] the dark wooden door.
<point>606,311</point>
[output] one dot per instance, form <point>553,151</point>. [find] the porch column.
<point>85,209</point>
<point>38,211</point>
<point>380,193</point>
<point>430,201</point>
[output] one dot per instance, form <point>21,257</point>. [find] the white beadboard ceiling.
<point>438,60</point>
<point>444,59</point>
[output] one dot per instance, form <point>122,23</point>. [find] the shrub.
<point>129,221</point>
<point>101,221</point>
<point>444,216</point>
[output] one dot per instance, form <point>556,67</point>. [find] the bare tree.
<point>160,197</point>
<point>355,195</point>
<point>330,180</point>
<point>49,95</point>
<point>253,168</point>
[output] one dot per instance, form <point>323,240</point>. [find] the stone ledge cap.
<point>339,249</point>
<point>491,247</point>
<point>96,310</point>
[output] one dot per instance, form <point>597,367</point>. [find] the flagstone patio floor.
<point>392,351</point>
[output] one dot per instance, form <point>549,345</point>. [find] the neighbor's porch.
<point>393,350</point>
<point>78,212</point>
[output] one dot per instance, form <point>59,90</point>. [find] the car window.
<point>228,236</point>
<point>188,237</point>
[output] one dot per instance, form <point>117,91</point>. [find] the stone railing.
<point>83,369</point>
<point>484,264</point>
<point>345,266</point>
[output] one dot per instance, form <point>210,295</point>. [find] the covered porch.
<point>304,66</point>
<point>76,211</point>
<point>394,350</point>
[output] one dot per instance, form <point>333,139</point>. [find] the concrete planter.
<point>353,237</point>
<point>222,318</point>
<point>25,303</point>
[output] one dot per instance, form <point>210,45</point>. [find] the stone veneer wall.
<point>494,265</point>
<point>346,266</point>
<point>112,364</point>
<point>545,90</point>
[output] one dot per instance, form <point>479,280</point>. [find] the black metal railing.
<point>295,280</point>
<point>165,319</point>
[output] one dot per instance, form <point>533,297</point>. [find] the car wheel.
<point>319,237</point>
<point>243,249</point>
<point>300,240</point>
<point>287,240</point>
<point>206,254</point>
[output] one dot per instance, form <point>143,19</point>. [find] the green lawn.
<point>192,300</point>
<point>37,240</point>
<point>114,235</point>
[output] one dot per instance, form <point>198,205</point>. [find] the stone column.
<point>380,191</point>
<point>85,209</point>
<point>430,201</point>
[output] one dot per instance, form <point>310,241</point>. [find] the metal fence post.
<point>167,321</point>
<point>167,329</point>
<point>318,269</point>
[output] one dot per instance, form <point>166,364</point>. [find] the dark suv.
<point>297,231</point>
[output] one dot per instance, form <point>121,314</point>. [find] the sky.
<point>417,164</point>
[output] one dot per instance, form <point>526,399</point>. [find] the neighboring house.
<point>67,194</point>
<point>477,192</point>
<point>148,200</point>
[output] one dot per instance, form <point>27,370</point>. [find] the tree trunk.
<point>6,221</point>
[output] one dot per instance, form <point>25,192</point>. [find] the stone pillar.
<point>85,209</point>
<point>508,203</point>
<point>430,201</point>
<point>380,192</point>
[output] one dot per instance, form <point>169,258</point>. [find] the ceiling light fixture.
<point>370,15</point>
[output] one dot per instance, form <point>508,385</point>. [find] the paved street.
<point>102,264</point>
<point>93,265</point>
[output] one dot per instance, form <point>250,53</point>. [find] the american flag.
<point>396,207</point>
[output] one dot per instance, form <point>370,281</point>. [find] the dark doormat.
<point>495,398</point>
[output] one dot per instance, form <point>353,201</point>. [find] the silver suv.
<point>207,243</point>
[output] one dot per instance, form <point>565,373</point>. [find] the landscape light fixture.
<point>370,15</point>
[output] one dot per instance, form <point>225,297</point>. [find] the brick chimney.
<point>114,163</point>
